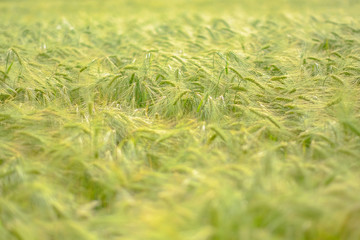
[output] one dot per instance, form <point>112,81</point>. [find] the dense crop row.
<point>197,125</point>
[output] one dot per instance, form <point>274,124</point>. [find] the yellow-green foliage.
<point>194,120</point>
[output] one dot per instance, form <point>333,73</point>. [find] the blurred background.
<point>15,9</point>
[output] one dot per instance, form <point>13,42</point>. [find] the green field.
<point>180,120</point>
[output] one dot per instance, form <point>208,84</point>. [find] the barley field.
<point>180,120</point>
